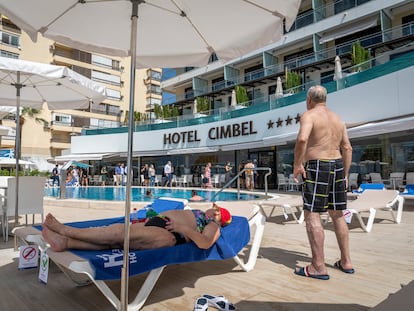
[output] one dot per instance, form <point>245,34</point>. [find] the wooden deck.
<point>383,259</point>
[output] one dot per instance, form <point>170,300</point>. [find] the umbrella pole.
<point>133,48</point>
<point>18,86</point>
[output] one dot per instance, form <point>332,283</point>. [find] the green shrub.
<point>241,94</point>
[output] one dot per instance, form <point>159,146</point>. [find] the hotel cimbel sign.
<point>215,133</point>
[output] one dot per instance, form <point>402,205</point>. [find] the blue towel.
<point>366,186</point>
<point>108,263</point>
<point>409,190</point>
<point>159,206</point>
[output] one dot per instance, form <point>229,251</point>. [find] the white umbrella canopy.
<point>279,88</point>
<point>233,103</point>
<point>5,111</point>
<point>168,33</point>
<point>195,107</point>
<point>338,69</point>
<point>31,84</point>
<point>12,162</point>
<point>58,86</point>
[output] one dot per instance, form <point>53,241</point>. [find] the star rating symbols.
<point>270,124</point>
<point>297,118</point>
<point>279,122</point>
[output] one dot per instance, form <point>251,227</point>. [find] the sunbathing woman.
<point>166,229</point>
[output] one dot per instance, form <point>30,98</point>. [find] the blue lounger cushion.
<point>369,186</point>
<point>108,263</point>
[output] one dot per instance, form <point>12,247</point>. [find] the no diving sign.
<point>29,255</point>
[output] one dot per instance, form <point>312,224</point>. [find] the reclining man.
<point>166,229</point>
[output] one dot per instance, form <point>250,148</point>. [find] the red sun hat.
<point>225,217</point>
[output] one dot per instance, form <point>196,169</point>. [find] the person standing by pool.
<point>104,175</point>
<point>124,173</point>
<point>145,174</point>
<point>207,176</point>
<point>227,170</point>
<point>118,175</point>
<point>249,175</point>
<point>168,174</point>
<point>151,173</point>
<point>75,175</point>
<point>55,176</point>
<point>324,146</point>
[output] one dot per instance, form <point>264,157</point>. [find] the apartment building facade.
<point>42,141</point>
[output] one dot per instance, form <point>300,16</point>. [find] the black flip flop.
<point>339,266</point>
<point>304,272</point>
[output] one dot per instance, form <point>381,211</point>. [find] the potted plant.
<point>292,81</point>
<point>360,55</point>
<point>241,94</point>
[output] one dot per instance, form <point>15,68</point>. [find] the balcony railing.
<point>382,65</point>
<point>343,49</point>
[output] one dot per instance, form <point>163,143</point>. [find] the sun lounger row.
<point>85,267</point>
<point>367,201</point>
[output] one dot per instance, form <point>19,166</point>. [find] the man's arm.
<point>346,150</point>
<point>305,130</point>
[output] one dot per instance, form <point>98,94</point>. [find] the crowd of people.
<point>201,175</point>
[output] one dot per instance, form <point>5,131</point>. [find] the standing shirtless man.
<point>323,156</point>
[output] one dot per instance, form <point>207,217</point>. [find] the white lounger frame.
<point>287,204</point>
<point>397,201</point>
<point>80,271</point>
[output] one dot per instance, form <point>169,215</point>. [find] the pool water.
<point>139,194</point>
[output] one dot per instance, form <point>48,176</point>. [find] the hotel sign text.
<point>214,133</point>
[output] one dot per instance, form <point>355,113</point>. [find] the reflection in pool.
<point>139,194</point>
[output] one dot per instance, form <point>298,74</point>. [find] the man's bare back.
<point>322,134</point>
<point>326,135</point>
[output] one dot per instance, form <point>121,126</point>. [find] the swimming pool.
<point>139,194</point>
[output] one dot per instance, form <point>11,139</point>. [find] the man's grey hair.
<point>317,94</point>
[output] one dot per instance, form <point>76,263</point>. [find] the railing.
<point>237,177</point>
<point>351,76</point>
<point>305,60</point>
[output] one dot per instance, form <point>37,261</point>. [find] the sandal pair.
<point>219,302</point>
<point>201,304</point>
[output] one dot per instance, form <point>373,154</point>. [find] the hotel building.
<point>374,97</point>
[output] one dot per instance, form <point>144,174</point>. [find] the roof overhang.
<point>84,156</point>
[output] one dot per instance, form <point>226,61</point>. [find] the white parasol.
<point>233,99</point>
<point>30,84</point>
<point>279,88</point>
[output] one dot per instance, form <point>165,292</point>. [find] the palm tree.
<point>28,112</point>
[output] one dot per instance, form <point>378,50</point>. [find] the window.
<point>152,88</point>
<point>8,54</point>
<point>155,75</point>
<point>62,119</point>
<point>254,72</point>
<point>153,101</point>
<point>113,94</point>
<point>106,109</point>
<point>106,77</point>
<point>9,39</point>
<point>101,61</point>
